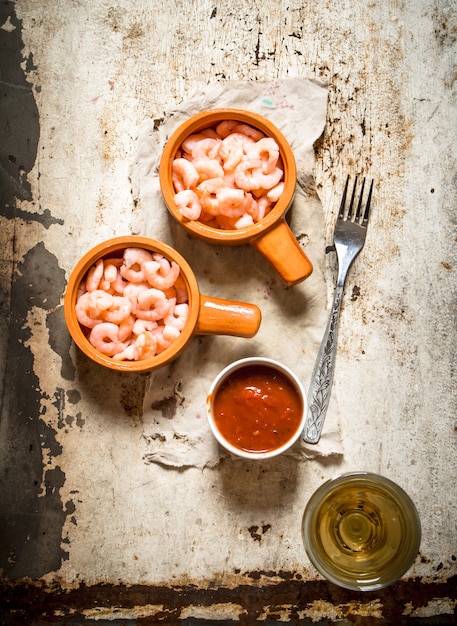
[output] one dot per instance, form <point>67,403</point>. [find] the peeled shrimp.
<point>90,307</point>
<point>127,354</point>
<point>263,204</point>
<point>249,131</point>
<point>165,336</point>
<point>249,175</point>
<point>128,317</point>
<point>132,268</point>
<point>233,149</point>
<point>188,204</point>
<point>105,337</point>
<point>267,151</point>
<point>142,347</point>
<point>251,207</point>
<point>94,276</point>
<point>184,174</point>
<point>206,148</point>
<point>244,220</point>
<point>152,305</point>
<point>160,273</point>
<point>110,274</point>
<point>208,168</point>
<point>190,141</point>
<point>132,291</point>
<point>126,328</point>
<point>225,128</point>
<point>85,312</point>
<point>231,202</point>
<point>220,165</point>
<point>180,290</point>
<point>208,190</point>
<point>140,326</point>
<point>145,346</point>
<point>211,185</point>
<point>178,316</point>
<point>119,310</point>
<point>275,193</point>
<point>99,301</point>
<point>119,284</point>
<point>210,132</point>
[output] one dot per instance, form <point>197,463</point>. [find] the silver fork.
<point>348,239</point>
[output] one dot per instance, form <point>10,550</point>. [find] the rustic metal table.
<point>89,531</point>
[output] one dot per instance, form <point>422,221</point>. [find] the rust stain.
<point>100,211</point>
<point>257,532</point>
<point>109,136</point>
<point>286,598</point>
<point>445,29</point>
<point>135,31</point>
<point>114,19</point>
<point>355,293</point>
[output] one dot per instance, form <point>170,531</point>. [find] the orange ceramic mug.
<point>271,236</point>
<point>206,315</point>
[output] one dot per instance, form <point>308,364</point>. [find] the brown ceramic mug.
<point>206,315</point>
<point>271,236</point>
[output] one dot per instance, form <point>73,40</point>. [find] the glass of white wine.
<point>361,531</point>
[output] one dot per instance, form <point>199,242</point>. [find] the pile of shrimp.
<point>227,177</point>
<point>134,307</point>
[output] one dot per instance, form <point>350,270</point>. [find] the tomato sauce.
<point>257,408</point>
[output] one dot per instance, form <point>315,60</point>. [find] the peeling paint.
<point>435,607</point>
<point>30,544</point>
<point>19,121</point>
<point>291,601</point>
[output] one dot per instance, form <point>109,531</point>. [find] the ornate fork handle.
<point>322,377</point>
<point>349,239</point>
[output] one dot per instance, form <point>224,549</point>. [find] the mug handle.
<point>281,248</point>
<point>227,317</point>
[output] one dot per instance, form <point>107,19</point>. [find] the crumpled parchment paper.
<point>175,429</point>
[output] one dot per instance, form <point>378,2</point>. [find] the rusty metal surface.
<point>89,533</point>
<point>287,601</point>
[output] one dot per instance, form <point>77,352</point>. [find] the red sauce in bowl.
<point>257,408</point>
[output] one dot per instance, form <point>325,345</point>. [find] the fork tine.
<point>358,213</point>
<point>343,199</point>
<point>367,206</point>
<point>351,204</point>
